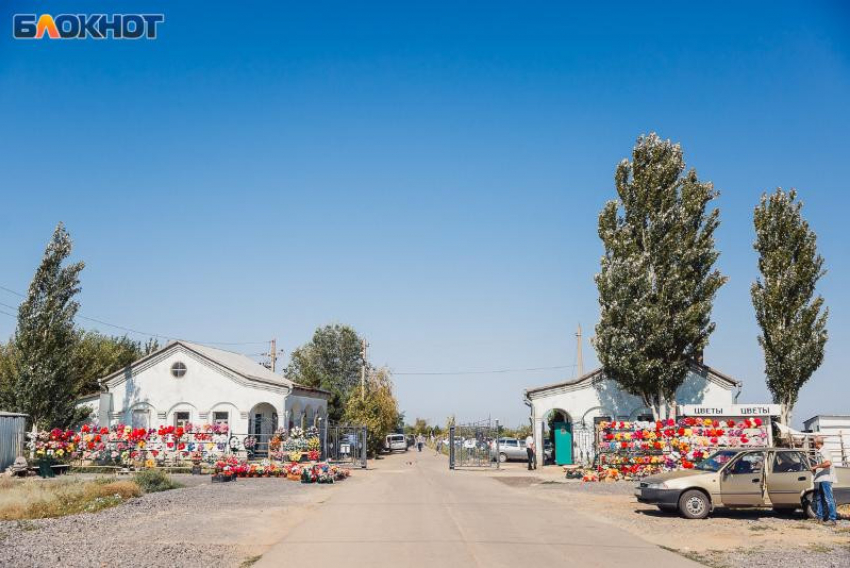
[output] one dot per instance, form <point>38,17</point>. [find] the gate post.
<point>498,461</point>
<point>451,447</point>
<point>363,450</point>
<point>324,425</point>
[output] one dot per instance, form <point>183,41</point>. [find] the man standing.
<point>420,441</point>
<point>529,449</point>
<point>824,471</point>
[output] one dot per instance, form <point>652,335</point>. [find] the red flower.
<point>758,421</point>
<point>671,422</point>
<point>681,431</point>
<point>730,423</point>
<point>104,430</point>
<point>85,428</point>
<point>716,424</point>
<point>624,444</point>
<point>744,439</point>
<point>713,441</point>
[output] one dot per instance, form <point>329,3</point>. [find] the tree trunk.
<point>785,415</point>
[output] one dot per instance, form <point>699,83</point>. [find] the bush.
<point>153,480</point>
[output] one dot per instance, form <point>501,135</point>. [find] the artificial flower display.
<point>638,449</point>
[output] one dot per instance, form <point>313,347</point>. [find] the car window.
<point>749,463</point>
<point>511,443</point>
<point>788,461</point>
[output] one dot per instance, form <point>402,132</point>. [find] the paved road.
<point>411,511</point>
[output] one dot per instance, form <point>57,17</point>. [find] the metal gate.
<point>475,444</point>
<point>344,444</point>
<point>260,431</point>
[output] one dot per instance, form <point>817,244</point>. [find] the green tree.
<point>378,410</point>
<point>43,385</point>
<point>657,283</point>
<point>96,356</point>
<point>8,374</point>
<point>791,318</point>
<point>330,361</point>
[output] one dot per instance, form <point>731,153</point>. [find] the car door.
<point>787,478</point>
<point>742,481</point>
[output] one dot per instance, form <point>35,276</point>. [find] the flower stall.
<point>633,449</point>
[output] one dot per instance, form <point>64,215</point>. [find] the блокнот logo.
<point>83,26</point>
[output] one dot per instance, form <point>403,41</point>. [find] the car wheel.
<point>503,458</point>
<point>808,506</point>
<point>694,504</point>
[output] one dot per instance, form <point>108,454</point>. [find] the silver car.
<point>509,449</point>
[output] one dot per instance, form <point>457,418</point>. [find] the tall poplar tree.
<point>791,318</point>
<point>45,338</point>
<point>657,282</point>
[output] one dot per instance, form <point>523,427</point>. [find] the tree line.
<point>658,282</point>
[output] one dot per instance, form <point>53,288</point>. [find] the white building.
<point>835,429</point>
<point>577,404</point>
<point>190,383</point>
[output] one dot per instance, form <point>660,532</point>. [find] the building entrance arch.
<point>559,437</point>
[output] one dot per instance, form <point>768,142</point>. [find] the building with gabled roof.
<point>575,406</point>
<point>186,383</point>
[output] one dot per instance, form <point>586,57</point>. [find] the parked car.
<point>738,478</point>
<point>395,443</point>
<point>509,449</point>
<point>548,452</point>
<point>411,440</point>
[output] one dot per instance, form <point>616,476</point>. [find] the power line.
<point>430,373</point>
<point>136,331</point>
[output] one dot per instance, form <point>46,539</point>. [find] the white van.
<point>395,442</point>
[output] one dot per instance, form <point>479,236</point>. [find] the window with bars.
<point>181,419</point>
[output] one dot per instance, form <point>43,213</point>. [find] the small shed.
<point>835,429</point>
<point>12,434</point>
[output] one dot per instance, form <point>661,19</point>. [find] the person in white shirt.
<point>824,471</point>
<point>529,449</point>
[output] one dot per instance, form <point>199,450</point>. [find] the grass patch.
<point>24,499</point>
<point>817,547</point>
<point>250,561</point>
<point>21,500</point>
<point>154,480</point>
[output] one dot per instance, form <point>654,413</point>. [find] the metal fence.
<point>474,444</point>
<point>344,444</point>
<point>12,428</point>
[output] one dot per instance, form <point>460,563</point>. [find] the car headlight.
<point>656,486</point>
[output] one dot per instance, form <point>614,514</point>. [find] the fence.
<point>12,428</point>
<point>344,443</point>
<point>475,444</point>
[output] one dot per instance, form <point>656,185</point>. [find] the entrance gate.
<point>344,444</point>
<point>475,444</point>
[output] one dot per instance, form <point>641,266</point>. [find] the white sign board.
<point>730,410</point>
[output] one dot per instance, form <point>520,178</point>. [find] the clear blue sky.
<point>430,174</point>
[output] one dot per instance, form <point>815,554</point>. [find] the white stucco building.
<point>579,403</point>
<point>189,383</point>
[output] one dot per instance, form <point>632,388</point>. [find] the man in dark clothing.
<point>529,449</point>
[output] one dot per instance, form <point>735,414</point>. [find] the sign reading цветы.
<point>731,410</point>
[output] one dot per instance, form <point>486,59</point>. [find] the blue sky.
<point>430,174</point>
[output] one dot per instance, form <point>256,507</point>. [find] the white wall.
<point>602,397</point>
<point>203,389</point>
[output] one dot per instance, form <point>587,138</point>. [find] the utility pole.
<point>273,353</point>
<point>579,360</point>
<point>363,371</point>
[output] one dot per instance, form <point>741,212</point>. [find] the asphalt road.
<point>411,511</point>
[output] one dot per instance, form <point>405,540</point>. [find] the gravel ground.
<point>727,539</point>
<point>200,525</point>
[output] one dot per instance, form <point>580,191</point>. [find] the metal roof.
<point>693,365</point>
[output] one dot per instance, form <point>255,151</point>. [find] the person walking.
<point>420,441</point>
<point>824,471</point>
<point>529,449</point>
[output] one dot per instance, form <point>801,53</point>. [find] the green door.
<point>563,443</point>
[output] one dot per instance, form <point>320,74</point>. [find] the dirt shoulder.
<point>727,538</point>
<point>201,525</point>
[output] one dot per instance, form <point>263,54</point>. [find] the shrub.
<point>153,480</point>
